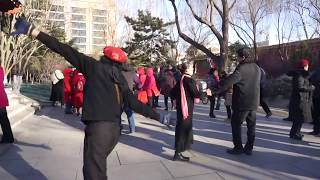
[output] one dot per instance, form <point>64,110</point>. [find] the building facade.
<point>91,23</point>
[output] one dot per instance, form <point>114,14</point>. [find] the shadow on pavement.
<point>17,166</point>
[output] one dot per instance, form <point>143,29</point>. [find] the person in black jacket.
<point>105,92</point>
<point>245,100</point>
<point>301,98</point>
<point>185,105</point>
<point>315,80</point>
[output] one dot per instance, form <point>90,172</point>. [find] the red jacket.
<point>142,94</point>
<point>78,82</point>
<point>67,86</point>
<point>150,85</point>
<point>3,95</point>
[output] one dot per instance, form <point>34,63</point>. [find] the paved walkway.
<point>49,146</point>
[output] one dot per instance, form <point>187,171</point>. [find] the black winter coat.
<point>246,87</point>
<point>102,101</point>
<point>301,96</point>
<point>184,132</point>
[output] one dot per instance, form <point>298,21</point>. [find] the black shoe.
<point>248,152</point>
<point>217,108</point>
<point>296,137</point>
<point>235,151</point>
<point>269,114</point>
<point>178,157</point>
<point>212,116</point>
<point>6,141</point>
<point>166,109</point>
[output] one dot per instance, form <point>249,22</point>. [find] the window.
<point>99,26</point>
<point>76,25</point>
<point>59,16</point>
<point>78,10</point>
<point>98,41</point>
<point>99,12</point>
<point>79,33</point>
<point>99,19</point>
<point>57,8</point>
<point>78,18</point>
<point>80,40</point>
<point>98,33</point>
<point>81,48</point>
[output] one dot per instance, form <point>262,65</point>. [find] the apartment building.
<point>91,23</point>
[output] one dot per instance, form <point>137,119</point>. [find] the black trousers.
<point>155,101</point>
<point>237,119</point>
<point>100,139</point>
<point>5,125</point>
<point>218,102</point>
<point>166,98</point>
<point>229,111</point>
<point>263,103</point>
<point>150,101</point>
<point>296,128</point>
<point>316,115</point>
<point>212,100</point>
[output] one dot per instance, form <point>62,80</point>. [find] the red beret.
<point>302,63</point>
<point>115,54</point>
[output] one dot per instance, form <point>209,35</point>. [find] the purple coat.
<point>3,95</point>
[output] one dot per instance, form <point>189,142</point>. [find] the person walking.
<point>129,75</point>
<point>142,94</point>
<point>184,93</point>
<point>227,96</point>
<point>315,80</point>
<point>151,87</point>
<point>57,87</point>
<point>78,82</point>
<point>301,98</point>
<point>167,84</point>
<point>245,100</point>
<point>263,103</point>
<point>213,84</point>
<point>105,87</point>
<point>67,89</point>
<point>7,136</point>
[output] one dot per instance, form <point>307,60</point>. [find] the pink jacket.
<point>150,85</point>
<point>3,95</point>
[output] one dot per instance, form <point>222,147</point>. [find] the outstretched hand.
<point>22,26</point>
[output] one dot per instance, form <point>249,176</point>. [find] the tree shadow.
<point>13,163</point>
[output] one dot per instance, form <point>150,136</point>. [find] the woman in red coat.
<point>151,86</point>
<point>4,121</point>
<point>67,89</point>
<point>77,96</point>
<point>142,94</point>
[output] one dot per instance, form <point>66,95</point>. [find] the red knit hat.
<point>115,54</point>
<point>302,63</point>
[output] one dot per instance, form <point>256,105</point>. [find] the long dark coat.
<point>57,91</point>
<point>184,133</point>
<point>301,96</point>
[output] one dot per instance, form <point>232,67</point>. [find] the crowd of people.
<point>110,82</point>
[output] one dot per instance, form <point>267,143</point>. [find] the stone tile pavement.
<point>49,146</point>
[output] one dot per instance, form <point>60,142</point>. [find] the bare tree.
<point>314,13</point>
<point>248,20</point>
<point>18,50</point>
<point>285,28</point>
<point>208,18</point>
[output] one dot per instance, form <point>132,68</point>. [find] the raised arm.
<point>80,61</point>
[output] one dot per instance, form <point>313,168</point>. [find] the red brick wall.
<point>271,60</point>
